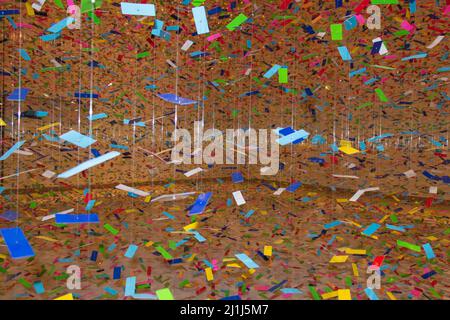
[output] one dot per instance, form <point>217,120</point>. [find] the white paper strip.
<point>49,174</point>
<point>433,190</point>
<point>410,174</point>
<point>360,192</point>
<point>435,42</point>
<point>345,176</point>
<point>133,190</point>
<point>187,45</point>
<point>52,216</point>
<point>238,198</point>
<point>193,171</point>
<point>172,197</point>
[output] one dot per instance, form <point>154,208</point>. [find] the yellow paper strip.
<point>30,10</point>
<point>355,251</point>
<point>68,296</point>
<point>390,295</point>
<point>355,269</point>
<point>47,238</point>
<point>344,294</point>
<point>330,295</point>
<point>348,150</point>
<point>48,126</point>
<point>234,265</point>
<point>209,274</point>
<point>268,251</point>
<point>191,226</point>
<point>338,259</point>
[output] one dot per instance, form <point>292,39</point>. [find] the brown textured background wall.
<point>341,108</point>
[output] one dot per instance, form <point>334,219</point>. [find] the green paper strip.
<point>336,32</point>
<point>381,95</point>
<point>384,2</point>
<point>96,19</point>
<point>110,228</point>
<point>408,245</point>
<point>59,3</point>
<point>236,22</point>
<point>283,75</point>
<point>142,54</point>
<point>164,253</point>
<point>25,283</point>
<point>87,5</point>
<point>401,33</point>
<point>314,293</point>
<point>164,294</point>
<point>367,104</point>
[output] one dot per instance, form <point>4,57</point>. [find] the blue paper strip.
<point>249,214</point>
<point>18,245</point>
<point>200,204</point>
<point>200,19</point>
<point>88,164</point>
<point>350,23</point>
<point>371,294</point>
<point>9,12</point>
<point>356,72</point>
<point>237,177</point>
<point>249,263</point>
<point>50,36</point>
<point>57,27</point>
<point>416,56</point>
<point>97,116</point>
<point>38,287</point>
<point>24,54</point>
<point>77,139</point>
<point>345,55</point>
<point>9,215</point>
<point>428,251</point>
<point>85,95</point>
<point>294,186</point>
<point>272,71</point>
<point>300,134</point>
<point>131,251</point>
<point>19,94</point>
<point>76,218</point>
<point>172,98</point>
<point>396,228</point>
<point>130,286</point>
<point>198,236</point>
<point>117,271</point>
<point>371,229</point>
<point>138,9</point>
<point>332,224</point>
<point>15,147</point>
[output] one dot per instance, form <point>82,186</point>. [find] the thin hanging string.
<point>91,100</point>
<point>202,60</point>
<point>251,101</point>
<point>176,89</point>
<point>79,111</point>
<point>3,88</point>
<point>19,107</point>
<point>153,111</point>
<point>133,143</point>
